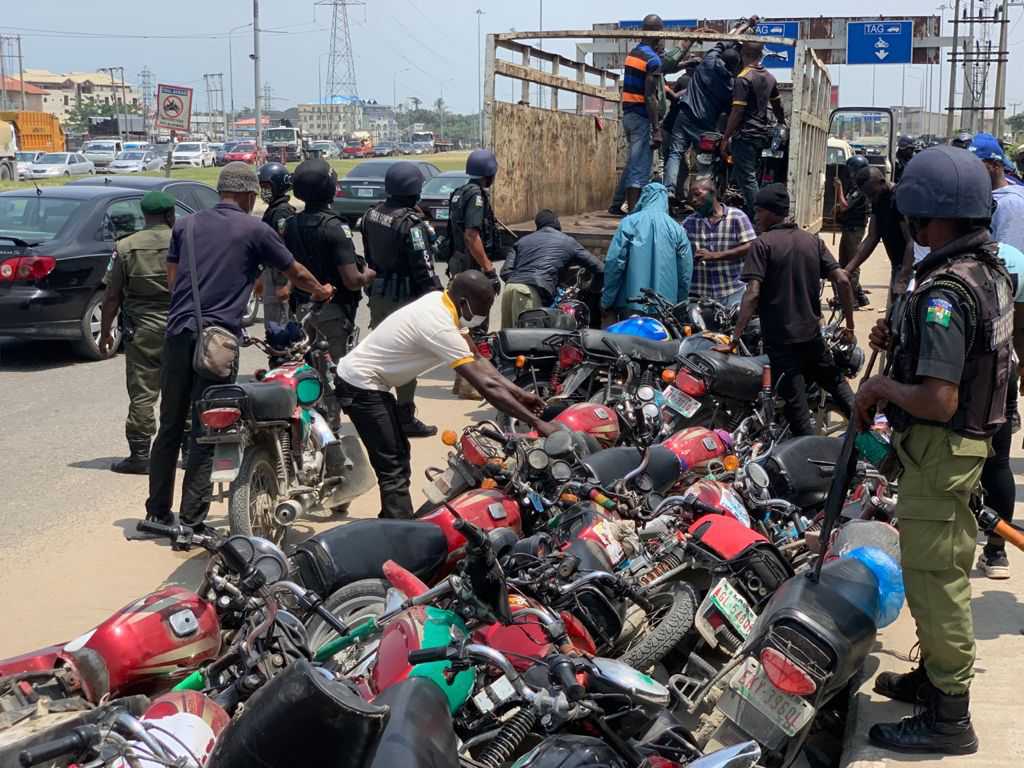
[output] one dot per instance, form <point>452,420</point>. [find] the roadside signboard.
<point>173,107</point>
<point>879,42</point>
<point>669,24</point>
<point>779,56</point>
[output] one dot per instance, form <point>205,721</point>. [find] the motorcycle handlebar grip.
<point>564,674</point>
<point>428,655</point>
<point>148,526</point>
<point>491,434</point>
<point>79,739</point>
<point>474,535</point>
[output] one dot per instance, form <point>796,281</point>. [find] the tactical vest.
<point>143,258</point>
<point>304,236</point>
<point>385,231</point>
<point>986,290</point>
<point>457,216</point>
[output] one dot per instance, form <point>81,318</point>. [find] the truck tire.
<point>677,604</point>
<point>5,172</point>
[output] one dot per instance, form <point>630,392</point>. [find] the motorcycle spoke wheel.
<point>351,604</point>
<point>254,497</point>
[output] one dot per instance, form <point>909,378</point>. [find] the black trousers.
<point>996,476</point>
<point>375,416</point>
<point>180,387</point>
<point>793,366</point>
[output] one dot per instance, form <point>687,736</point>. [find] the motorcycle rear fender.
<point>227,460</point>
<point>576,379</point>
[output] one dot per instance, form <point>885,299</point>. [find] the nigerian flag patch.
<point>939,312</point>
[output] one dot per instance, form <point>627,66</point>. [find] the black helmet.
<point>481,163</point>
<point>962,140</point>
<point>856,163</point>
<point>314,181</point>
<point>403,179</point>
<point>277,177</point>
<point>945,183</point>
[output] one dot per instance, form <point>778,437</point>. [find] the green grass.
<point>446,161</point>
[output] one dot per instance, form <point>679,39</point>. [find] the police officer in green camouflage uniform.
<point>399,245</point>
<point>136,283</point>
<point>946,397</point>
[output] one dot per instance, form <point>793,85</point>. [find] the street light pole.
<point>257,89</point>
<point>231,68</point>
<point>480,75</point>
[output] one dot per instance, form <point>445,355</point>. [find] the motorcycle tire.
<point>351,604</point>
<point>256,484</point>
<point>679,603</point>
<point>542,389</point>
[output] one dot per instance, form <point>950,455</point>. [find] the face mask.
<point>920,252</point>
<point>266,194</point>
<point>475,321</point>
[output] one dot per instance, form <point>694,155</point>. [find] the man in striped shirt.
<point>640,110</point>
<point>721,238</point>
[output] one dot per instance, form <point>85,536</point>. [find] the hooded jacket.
<point>650,250</point>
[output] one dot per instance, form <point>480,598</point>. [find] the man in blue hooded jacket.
<point>650,250</point>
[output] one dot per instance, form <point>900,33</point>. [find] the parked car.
<point>325,149</point>
<point>23,162</point>
<point>243,151</point>
<point>141,146</point>
<point>363,187</point>
<point>136,161</point>
<point>405,148</point>
<point>385,149</point>
<point>195,154</point>
<point>61,164</point>
<point>101,152</point>
<point>436,194</point>
<point>218,155</point>
<point>193,194</point>
<point>55,245</point>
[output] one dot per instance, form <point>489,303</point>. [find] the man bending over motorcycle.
<point>415,338</point>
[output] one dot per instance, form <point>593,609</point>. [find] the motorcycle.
<point>276,455</point>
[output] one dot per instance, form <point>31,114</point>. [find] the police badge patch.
<point>479,201</point>
<point>939,312</point>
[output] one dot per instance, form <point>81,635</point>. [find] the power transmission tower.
<point>268,97</point>
<point>215,101</point>
<point>341,72</point>
<point>146,85</point>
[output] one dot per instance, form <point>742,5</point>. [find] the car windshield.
<point>54,158</point>
<point>286,134</point>
<point>100,146</point>
<point>131,156</point>
<point>187,148</point>
<point>369,171</point>
<point>443,185</point>
<point>35,219</point>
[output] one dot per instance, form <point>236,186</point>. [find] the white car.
<point>195,154</point>
<point>23,162</point>
<point>61,164</point>
<point>136,161</point>
<point>101,153</point>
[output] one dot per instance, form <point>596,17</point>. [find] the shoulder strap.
<point>190,240</point>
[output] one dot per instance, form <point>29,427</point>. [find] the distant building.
<point>331,120</point>
<point>379,120</point>
<point>62,92</point>
<point>245,127</point>
<point>11,89</point>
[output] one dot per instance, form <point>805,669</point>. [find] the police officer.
<point>472,228</point>
<point>852,215</point>
<point>322,242</point>
<point>136,282</point>
<point>906,150</point>
<point>946,396</point>
<point>399,245</point>
<point>275,181</point>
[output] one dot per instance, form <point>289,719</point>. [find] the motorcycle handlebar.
<point>81,737</point>
<point>428,655</point>
<point>159,529</point>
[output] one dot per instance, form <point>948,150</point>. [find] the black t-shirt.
<point>890,222</point>
<point>856,215</point>
<point>753,89</point>
<point>790,264</point>
<point>322,242</point>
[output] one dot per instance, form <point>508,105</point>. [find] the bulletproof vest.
<point>143,257</point>
<point>304,236</point>
<point>385,231</point>
<point>457,203</point>
<point>277,212</point>
<point>987,292</point>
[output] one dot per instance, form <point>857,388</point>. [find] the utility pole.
<point>953,55</point>
<point>3,74</point>
<point>480,75</point>
<point>124,103</point>
<point>257,87</point>
<point>122,113</point>
<point>215,100</point>
<point>999,105</point>
<point>21,73</point>
<point>268,99</point>
<point>146,84</point>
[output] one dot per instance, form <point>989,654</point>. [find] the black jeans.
<point>374,414</point>
<point>180,387</point>
<point>793,366</point>
<point>996,476</point>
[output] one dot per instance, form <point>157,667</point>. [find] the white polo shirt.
<point>409,342</point>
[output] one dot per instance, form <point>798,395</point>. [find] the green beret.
<point>156,201</point>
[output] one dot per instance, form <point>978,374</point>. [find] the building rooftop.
<point>11,84</point>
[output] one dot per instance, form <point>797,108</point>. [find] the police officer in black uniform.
<point>399,246</point>
<point>946,396</point>
<point>275,181</point>
<point>322,242</point>
<point>472,228</point>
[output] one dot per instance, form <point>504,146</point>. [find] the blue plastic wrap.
<point>889,576</point>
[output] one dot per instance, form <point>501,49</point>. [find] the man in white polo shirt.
<point>431,330</point>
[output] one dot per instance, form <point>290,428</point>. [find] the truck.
<point>27,132</point>
<point>569,160</point>
<point>284,144</point>
<point>359,144</point>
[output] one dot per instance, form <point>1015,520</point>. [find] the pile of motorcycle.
<point>647,588</point>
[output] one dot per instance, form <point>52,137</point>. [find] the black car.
<point>436,194</point>
<point>191,194</point>
<point>55,245</point>
<point>363,187</point>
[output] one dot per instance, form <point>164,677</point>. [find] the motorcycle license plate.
<point>680,402</point>
<point>441,214</point>
<point>227,459</point>
<point>705,158</point>
<point>789,713</point>
<point>731,605</point>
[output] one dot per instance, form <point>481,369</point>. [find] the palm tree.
<point>439,106</point>
<point>416,101</point>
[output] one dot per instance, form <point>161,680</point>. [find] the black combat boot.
<point>137,462</point>
<point>942,726</point>
<point>911,687</point>
<point>411,426</point>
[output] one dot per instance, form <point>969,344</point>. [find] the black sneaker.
<point>994,564</point>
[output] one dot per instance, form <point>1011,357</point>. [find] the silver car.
<point>61,164</point>
<point>136,161</point>
<point>101,152</point>
<point>24,160</point>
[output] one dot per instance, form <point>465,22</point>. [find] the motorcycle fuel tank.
<point>719,496</point>
<point>697,447</point>
<point>486,509</point>
<point>644,327</point>
<point>598,421</point>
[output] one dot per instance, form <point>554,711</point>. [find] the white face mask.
<point>920,252</point>
<point>474,322</point>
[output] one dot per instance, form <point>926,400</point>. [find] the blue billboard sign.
<point>669,24</point>
<point>778,56</point>
<point>879,42</point>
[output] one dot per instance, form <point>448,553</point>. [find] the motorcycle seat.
<point>636,347</point>
<point>419,733</point>
<point>732,376</point>
<point>354,551</point>
<point>612,464</point>
<point>800,470</point>
<point>526,341</point>
<point>268,401</point>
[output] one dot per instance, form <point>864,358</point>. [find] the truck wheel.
<point>254,497</point>
<point>668,622</point>
<point>5,172</point>
<point>89,324</point>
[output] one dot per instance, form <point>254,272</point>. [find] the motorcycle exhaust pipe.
<point>286,512</point>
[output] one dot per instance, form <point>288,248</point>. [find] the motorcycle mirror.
<point>743,755</point>
<point>757,475</point>
<point>558,444</point>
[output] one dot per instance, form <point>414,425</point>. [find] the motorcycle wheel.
<point>668,623</point>
<point>351,604</point>
<point>541,388</point>
<point>254,497</point>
